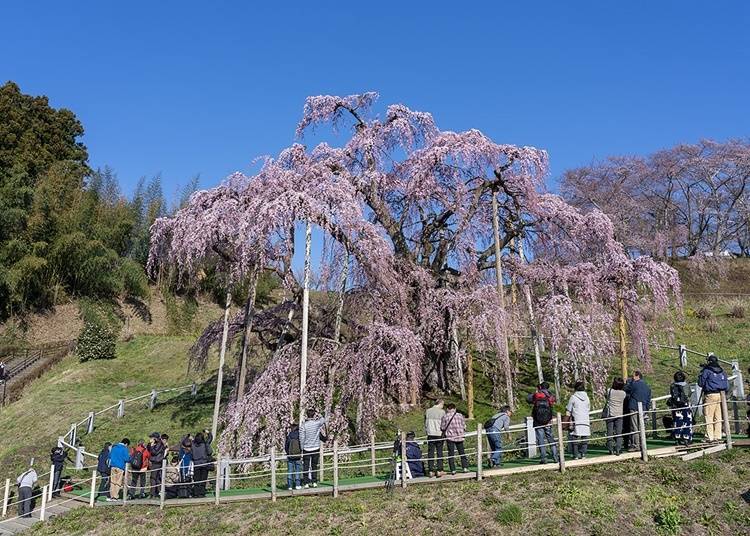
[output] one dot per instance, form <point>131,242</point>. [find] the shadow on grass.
<point>188,410</point>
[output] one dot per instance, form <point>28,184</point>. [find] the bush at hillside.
<point>95,342</point>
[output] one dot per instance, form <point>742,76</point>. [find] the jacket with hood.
<point>713,379</point>
<point>102,462</point>
<point>638,391</point>
<point>579,407</point>
<point>119,456</point>
<point>156,452</point>
<point>202,450</point>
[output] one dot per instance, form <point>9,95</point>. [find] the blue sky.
<point>194,87</point>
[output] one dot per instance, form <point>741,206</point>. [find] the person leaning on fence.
<point>682,413</point>
<point>453,426</point>
<point>613,411</point>
<point>432,423</point>
<point>102,468</point>
<point>57,456</point>
<point>202,459</point>
<point>638,391</point>
<point>713,381</point>
<point>139,464</point>
<point>541,412</point>
<point>26,482</point>
<point>293,450</point>
<point>156,454</point>
<point>310,438</point>
<point>578,408</point>
<point>119,457</point>
<point>499,422</point>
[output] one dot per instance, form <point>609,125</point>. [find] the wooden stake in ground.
<point>469,384</point>
<point>249,312</point>
<point>503,350</point>
<point>305,320</point>
<point>222,355</point>
<point>622,329</point>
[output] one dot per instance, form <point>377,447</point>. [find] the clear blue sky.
<point>196,87</point>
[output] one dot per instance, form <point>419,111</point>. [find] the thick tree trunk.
<point>503,350</point>
<point>249,312</point>
<point>222,355</point>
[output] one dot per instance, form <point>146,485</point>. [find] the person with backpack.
<point>713,381</point>
<point>494,426</point>
<point>119,457</point>
<point>139,464</point>
<point>186,467</point>
<point>102,468</point>
<point>26,482</point>
<point>57,456</point>
<point>682,413</point>
<point>638,391</point>
<point>202,459</point>
<point>542,402</point>
<point>293,450</point>
<point>156,456</point>
<point>311,434</point>
<point>453,426</point>
<point>172,478</point>
<point>578,408</point>
<point>432,422</point>
<point>613,409</point>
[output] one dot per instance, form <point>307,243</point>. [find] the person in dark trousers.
<point>102,468</point>
<point>293,450</point>
<point>156,453</point>
<point>542,402</point>
<point>682,413</point>
<point>498,423</point>
<point>614,409</point>
<point>186,467</point>
<point>202,457</point>
<point>139,465</point>
<point>638,391</point>
<point>309,436</point>
<point>25,484</point>
<point>57,456</point>
<point>713,380</point>
<point>432,422</point>
<point>172,478</point>
<point>453,426</point>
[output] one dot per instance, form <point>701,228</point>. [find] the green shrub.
<point>510,514</point>
<point>95,342</point>
<point>134,279</point>
<point>668,519</point>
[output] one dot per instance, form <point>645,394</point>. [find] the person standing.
<point>26,483</point>
<point>498,423</point>
<point>432,423</point>
<point>293,450</point>
<point>102,467</point>
<point>119,457</point>
<point>57,456</point>
<point>682,413</point>
<point>453,426</point>
<point>156,455</point>
<point>578,408</point>
<point>309,436</point>
<point>713,381</point>
<point>202,454</point>
<point>638,391</point>
<point>615,406</point>
<point>139,464</point>
<point>542,402</point>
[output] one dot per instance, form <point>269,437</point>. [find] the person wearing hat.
<point>713,381</point>
<point>26,483</point>
<point>156,450</point>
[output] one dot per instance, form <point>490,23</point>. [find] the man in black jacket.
<point>156,450</point>
<point>57,456</point>
<point>102,468</point>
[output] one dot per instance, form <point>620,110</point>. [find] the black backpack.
<point>295,449</point>
<point>489,423</point>
<point>542,411</point>
<point>136,461</point>
<point>677,396</point>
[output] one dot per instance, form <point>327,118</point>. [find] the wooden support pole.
<point>220,372</point>
<point>92,496</point>
<point>194,390</point>
<point>503,350</point>
<point>335,468</point>
<point>6,495</point>
<point>469,384</point>
<point>725,419</point>
<point>736,416</point>
<point>125,480</point>
<point>90,424</point>
<point>305,325</point>
<point>404,464</point>
<point>217,482</point>
<point>479,451</point>
<point>642,432</point>
<point>43,512</point>
<point>51,489</point>
<point>121,409</point>
<point>622,324</point>
<point>152,400</point>
<point>321,454</point>
<point>273,474</point>
<point>163,486</point>
<point>372,453</point>
<point>654,434</point>
<point>531,449</point>
<point>560,443</point>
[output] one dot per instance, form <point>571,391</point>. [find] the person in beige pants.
<point>713,381</point>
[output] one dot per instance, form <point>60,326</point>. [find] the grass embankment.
<point>666,496</point>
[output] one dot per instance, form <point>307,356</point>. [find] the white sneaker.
<point>297,487</point>
<point>110,499</point>
<point>290,488</point>
<point>307,486</point>
<point>315,484</point>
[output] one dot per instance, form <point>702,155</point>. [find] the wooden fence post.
<point>43,512</point>
<point>654,434</point>
<point>560,444</point>
<point>372,453</point>
<point>404,465</point>
<point>163,487</point>
<point>193,390</point>
<point>217,484</point>
<point>6,495</point>
<point>530,437</point>
<point>736,416</point>
<point>152,400</point>
<point>479,451</point>
<point>273,474</point>
<point>725,418</point>
<point>125,480</point>
<point>90,424</point>
<point>335,468</point>
<point>121,409</point>
<point>642,432</point>
<point>79,458</point>
<point>51,490</point>
<point>73,434</point>
<point>92,496</point>
<point>321,454</point>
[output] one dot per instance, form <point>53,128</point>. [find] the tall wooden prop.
<point>505,358</point>
<point>532,320</point>
<point>222,355</point>
<point>469,384</point>
<point>305,320</point>
<point>342,293</point>
<point>249,312</point>
<point>622,329</point>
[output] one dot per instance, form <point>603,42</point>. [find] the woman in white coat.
<point>578,408</point>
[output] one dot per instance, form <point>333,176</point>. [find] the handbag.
<point>323,434</point>
<point>443,430</point>
<point>567,422</point>
<point>605,410</point>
